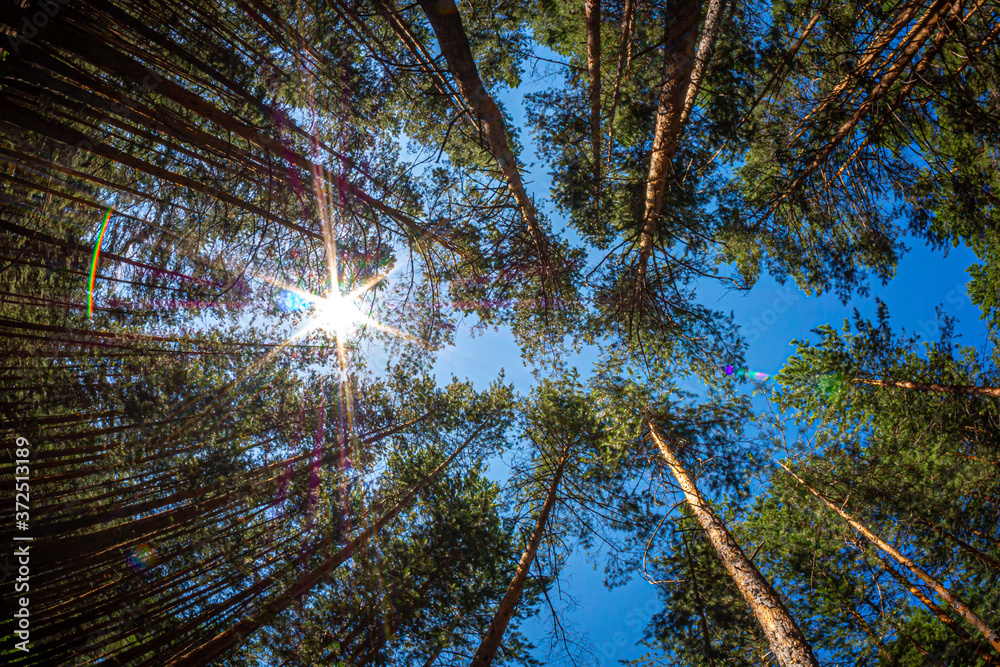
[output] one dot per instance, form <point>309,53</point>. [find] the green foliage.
<point>704,620</point>
<point>251,149</point>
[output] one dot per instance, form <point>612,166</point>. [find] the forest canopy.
<point>237,239</point>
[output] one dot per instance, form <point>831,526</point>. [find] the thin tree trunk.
<point>417,50</point>
<point>237,634</point>
<point>787,58</point>
<point>378,637</point>
<point>986,559</point>
<point>937,612</point>
<point>624,62</point>
<point>593,13</point>
<point>787,642</point>
<point>440,647</point>
<point>706,45</point>
<point>920,649</point>
<point>709,653</point>
<point>822,573</point>
<point>446,22</point>
<point>879,644</point>
<point>968,614</point>
<point>929,22</point>
<point>952,389</point>
<point>491,641</point>
<point>882,40</point>
<point>86,42</point>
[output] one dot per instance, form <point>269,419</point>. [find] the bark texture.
<point>706,45</point>
<point>491,640</point>
<point>678,64</point>
<point>953,389</point>
<point>921,33</point>
<point>879,43</point>
<point>787,642</point>
<point>936,611</point>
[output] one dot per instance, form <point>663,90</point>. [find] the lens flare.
<point>93,263</point>
<point>744,372</point>
<point>336,314</point>
<point>142,556</point>
<point>288,301</point>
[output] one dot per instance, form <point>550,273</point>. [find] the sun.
<point>336,314</point>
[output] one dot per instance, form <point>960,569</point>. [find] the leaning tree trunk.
<point>937,612</point>
<point>937,13</point>
<point>928,658</point>
<point>952,389</point>
<point>447,24</point>
<point>706,637</point>
<point>432,658</point>
<point>787,642</point>
<point>232,637</point>
<point>491,641</point>
<point>981,556</point>
<point>706,45</point>
<point>678,64</point>
<point>624,62</point>
<point>968,614</point>
<point>878,43</point>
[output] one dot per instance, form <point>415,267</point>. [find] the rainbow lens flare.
<point>93,263</point>
<point>142,556</point>
<point>831,385</point>
<point>744,372</point>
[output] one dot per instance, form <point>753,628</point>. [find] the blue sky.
<point>613,621</point>
<point>771,316</point>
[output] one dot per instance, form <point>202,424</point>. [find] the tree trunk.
<point>937,612</point>
<point>709,33</point>
<point>678,64</point>
<point>624,62</point>
<point>593,12</point>
<point>952,389</point>
<point>417,50</point>
<point>491,641</point>
<point>879,644</point>
<point>928,658</point>
<point>709,653</point>
<point>83,41</point>
<point>432,658</point>
<point>985,558</point>
<point>446,22</point>
<point>787,643</point>
<point>882,40</point>
<point>928,23</point>
<point>968,614</point>
<point>237,634</point>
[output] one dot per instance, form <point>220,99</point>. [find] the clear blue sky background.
<point>771,316</point>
